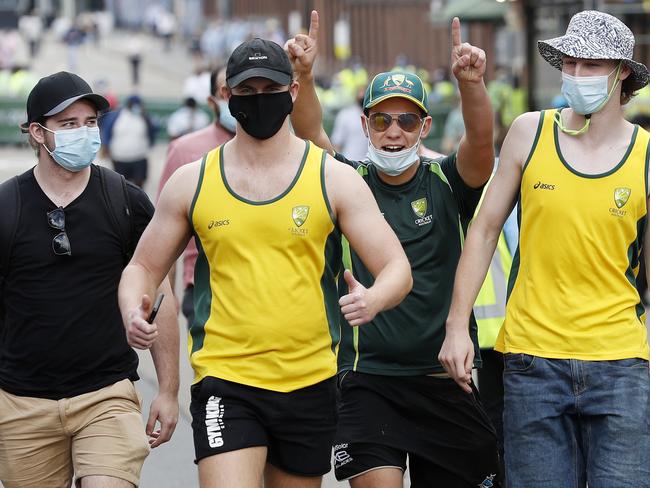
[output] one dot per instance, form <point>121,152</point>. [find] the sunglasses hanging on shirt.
<point>60,243</point>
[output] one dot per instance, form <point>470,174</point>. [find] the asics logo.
<point>543,186</point>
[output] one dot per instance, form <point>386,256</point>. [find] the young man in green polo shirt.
<point>396,400</point>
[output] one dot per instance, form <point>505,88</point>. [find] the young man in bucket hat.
<point>396,400</point>
<point>68,405</point>
<point>576,351</point>
<point>267,210</point>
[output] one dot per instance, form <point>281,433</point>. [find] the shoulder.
<point>342,178</point>
<point>136,194</point>
<point>522,137</point>
<point>349,162</point>
<point>526,124</point>
<point>184,180</point>
<point>441,162</point>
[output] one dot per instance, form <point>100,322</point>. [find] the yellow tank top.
<point>265,295</point>
<point>572,286</point>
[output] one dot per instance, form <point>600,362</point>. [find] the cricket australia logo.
<point>621,196</point>
<point>299,214</point>
<point>419,208</point>
<point>398,82</point>
<point>214,421</point>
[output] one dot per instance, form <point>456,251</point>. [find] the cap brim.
<point>271,74</point>
<point>397,95</point>
<point>100,104</point>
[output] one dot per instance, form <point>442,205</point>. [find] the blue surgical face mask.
<point>75,149</point>
<point>588,94</point>
<point>393,163</point>
<point>226,120</point>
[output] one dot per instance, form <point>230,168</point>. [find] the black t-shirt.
<point>430,214</point>
<point>62,332</point>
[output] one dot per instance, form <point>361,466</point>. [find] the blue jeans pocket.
<point>518,363</point>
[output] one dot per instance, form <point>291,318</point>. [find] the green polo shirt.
<point>430,214</point>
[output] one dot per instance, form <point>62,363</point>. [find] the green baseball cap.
<point>396,84</point>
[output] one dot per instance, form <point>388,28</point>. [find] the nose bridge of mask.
<point>592,80</point>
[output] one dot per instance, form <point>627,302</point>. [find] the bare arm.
<point>475,159</point>
<point>164,352</point>
<point>373,240</point>
<point>160,245</point>
<point>457,352</point>
<point>307,115</point>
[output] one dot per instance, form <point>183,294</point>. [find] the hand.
<point>457,356</point>
<point>302,49</point>
<point>164,409</point>
<point>467,61</point>
<point>357,306</point>
<point>139,333</point>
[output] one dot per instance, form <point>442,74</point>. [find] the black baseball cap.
<point>258,58</point>
<point>54,93</point>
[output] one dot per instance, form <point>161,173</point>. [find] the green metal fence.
<point>12,114</point>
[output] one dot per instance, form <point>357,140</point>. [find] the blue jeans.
<point>568,422</point>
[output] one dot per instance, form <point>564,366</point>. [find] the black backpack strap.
<point>116,196</point>
<point>10,208</point>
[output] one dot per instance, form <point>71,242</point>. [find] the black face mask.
<point>261,115</point>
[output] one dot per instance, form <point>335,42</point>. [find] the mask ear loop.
<point>571,132</point>
<point>43,144</point>
<point>558,118</point>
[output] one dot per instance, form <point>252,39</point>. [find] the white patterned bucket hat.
<point>595,35</point>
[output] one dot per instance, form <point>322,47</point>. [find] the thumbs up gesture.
<point>357,306</point>
<point>302,49</point>
<point>467,61</point>
<point>140,333</point>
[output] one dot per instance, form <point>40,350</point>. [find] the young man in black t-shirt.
<point>67,401</point>
<point>396,399</point>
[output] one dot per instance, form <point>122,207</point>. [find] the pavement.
<point>162,73</point>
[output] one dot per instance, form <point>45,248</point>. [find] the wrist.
<point>168,391</point>
<point>457,323</point>
<point>471,85</point>
<point>305,76</point>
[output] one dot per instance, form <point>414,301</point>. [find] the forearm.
<point>470,274</point>
<point>392,284</point>
<point>307,115</point>
<point>477,113</point>
<point>165,350</point>
<point>136,281</point>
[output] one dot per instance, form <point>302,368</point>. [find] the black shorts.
<point>297,427</point>
<point>444,431</point>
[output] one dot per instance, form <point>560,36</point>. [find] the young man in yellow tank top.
<point>267,210</point>
<point>576,353</point>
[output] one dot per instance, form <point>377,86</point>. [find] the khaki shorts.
<point>43,442</point>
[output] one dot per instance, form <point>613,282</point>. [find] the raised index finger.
<point>455,32</point>
<point>313,25</point>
